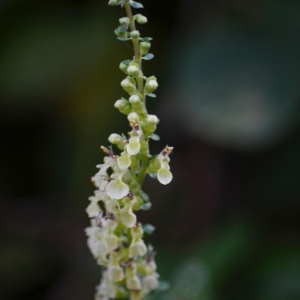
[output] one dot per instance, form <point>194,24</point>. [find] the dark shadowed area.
<point>227,226</point>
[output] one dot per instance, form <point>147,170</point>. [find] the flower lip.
<point>117,189</point>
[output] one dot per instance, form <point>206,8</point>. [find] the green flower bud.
<point>137,104</point>
<point>123,106</point>
<point>122,35</point>
<point>144,47</point>
<point>141,19</point>
<point>133,117</point>
<point>151,85</point>
<point>134,69</point>
<point>124,20</point>
<point>152,120</point>
<point>115,138</point>
<point>135,34</point>
<point>114,2</point>
<point>129,85</point>
<point>123,67</point>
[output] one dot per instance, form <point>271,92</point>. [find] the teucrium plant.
<point>115,238</point>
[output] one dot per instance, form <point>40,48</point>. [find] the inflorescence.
<point>115,238</point>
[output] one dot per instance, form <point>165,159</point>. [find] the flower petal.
<point>164,176</point>
<point>117,189</point>
<point>128,218</point>
<point>124,161</point>
<point>93,209</point>
<point>133,147</point>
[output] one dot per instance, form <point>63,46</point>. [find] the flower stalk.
<point>115,238</point>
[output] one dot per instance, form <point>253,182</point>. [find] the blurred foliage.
<point>228,226</point>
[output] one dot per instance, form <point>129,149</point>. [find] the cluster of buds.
<point>115,238</point>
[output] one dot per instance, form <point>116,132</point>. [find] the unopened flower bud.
<point>134,69</point>
<point>133,116</point>
<point>151,85</point>
<point>124,66</point>
<point>115,138</point>
<point>144,47</point>
<point>114,2</point>
<point>150,125</point>
<point>122,35</point>
<point>123,106</point>
<point>134,99</point>
<point>129,85</point>
<point>124,20</point>
<point>141,19</point>
<point>137,104</point>
<point>135,34</point>
<point>152,119</point>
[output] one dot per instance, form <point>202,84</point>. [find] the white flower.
<point>150,283</point>
<point>115,273</point>
<point>127,217</point>
<point>150,267</point>
<point>98,179</point>
<point>117,189</point>
<point>93,209</point>
<point>111,242</point>
<point>137,248</point>
<point>164,176</point>
<point>112,206</point>
<point>124,161</point>
<point>133,283</point>
<point>97,247</point>
<point>134,146</point>
<point>106,288</point>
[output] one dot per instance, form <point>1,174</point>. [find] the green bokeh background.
<point>227,227</point>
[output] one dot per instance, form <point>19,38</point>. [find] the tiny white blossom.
<point>115,273</point>
<point>106,288</point>
<point>137,248</point>
<point>117,189</point>
<point>111,242</point>
<point>134,146</point>
<point>164,176</point>
<point>124,160</point>
<point>93,209</point>
<point>127,217</point>
<point>133,283</point>
<point>150,283</point>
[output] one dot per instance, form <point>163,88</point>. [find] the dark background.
<point>227,227</point>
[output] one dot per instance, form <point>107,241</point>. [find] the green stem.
<point>140,84</point>
<point>143,171</point>
<point>136,46</point>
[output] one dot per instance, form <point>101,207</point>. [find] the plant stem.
<point>140,84</point>
<point>136,46</point>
